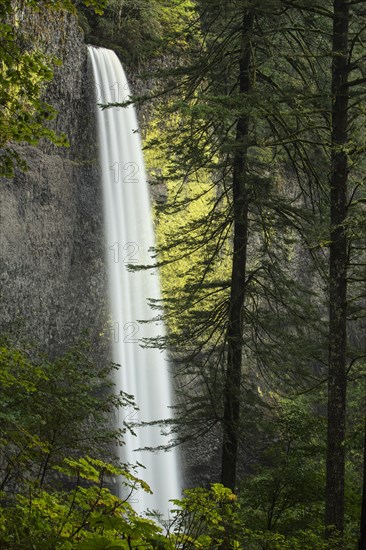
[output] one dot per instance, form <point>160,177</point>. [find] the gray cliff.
<point>53,282</point>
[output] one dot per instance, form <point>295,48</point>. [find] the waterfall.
<point>129,235</point>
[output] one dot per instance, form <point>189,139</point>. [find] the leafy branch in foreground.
<point>50,410</point>
<point>85,516</point>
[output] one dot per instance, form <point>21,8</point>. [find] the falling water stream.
<point>129,235</point>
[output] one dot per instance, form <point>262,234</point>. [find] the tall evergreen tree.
<point>338,264</point>
<point>240,196</point>
<point>218,132</point>
<point>257,110</point>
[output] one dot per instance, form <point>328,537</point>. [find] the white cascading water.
<point>129,236</point>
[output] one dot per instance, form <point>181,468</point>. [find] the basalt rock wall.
<point>53,280</point>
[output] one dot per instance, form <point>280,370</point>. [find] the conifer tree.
<point>218,96</point>
<point>338,264</point>
<point>251,105</point>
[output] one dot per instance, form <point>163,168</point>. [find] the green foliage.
<point>85,516</point>
<point>207,519</point>
<point>55,495</point>
<point>285,179</point>
<point>284,494</point>
<point>136,30</point>
<point>26,68</point>
<point>356,415</point>
<point>213,519</point>
<point>190,151</point>
<point>53,416</point>
<point>50,410</point>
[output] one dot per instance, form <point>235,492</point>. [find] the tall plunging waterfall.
<point>129,235</point>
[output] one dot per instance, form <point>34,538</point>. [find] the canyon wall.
<point>53,281</point>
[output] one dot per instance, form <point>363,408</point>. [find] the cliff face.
<point>52,252</point>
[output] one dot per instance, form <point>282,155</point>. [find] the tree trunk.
<point>232,390</point>
<point>338,259</point>
<point>362,545</point>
